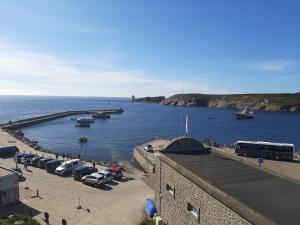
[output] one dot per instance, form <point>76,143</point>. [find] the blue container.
<point>150,207</point>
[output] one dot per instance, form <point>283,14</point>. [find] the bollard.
<point>46,217</point>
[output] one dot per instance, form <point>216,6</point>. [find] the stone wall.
<point>144,161</point>
<point>9,190</point>
<point>172,204</point>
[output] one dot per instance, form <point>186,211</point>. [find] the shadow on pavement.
<point>20,208</point>
<point>113,183</point>
<point>105,187</point>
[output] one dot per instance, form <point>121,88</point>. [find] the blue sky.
<point>119,48</point>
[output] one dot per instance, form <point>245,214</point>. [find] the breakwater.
<point>12,125</point>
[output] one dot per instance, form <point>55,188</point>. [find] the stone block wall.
<point>179,201</point>
<point>144,162</point>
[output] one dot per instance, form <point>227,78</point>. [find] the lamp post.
<point>210,127</point>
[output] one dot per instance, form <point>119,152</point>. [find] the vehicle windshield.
<point>64,165</point>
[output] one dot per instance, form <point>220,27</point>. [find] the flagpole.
<point>186,124</point>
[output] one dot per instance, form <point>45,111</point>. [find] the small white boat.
<point>244,114</point>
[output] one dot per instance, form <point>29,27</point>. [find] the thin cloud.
<point>45,21</point>
<point>26,72</point>
<point>271,66</point>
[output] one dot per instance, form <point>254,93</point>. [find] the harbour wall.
<point>145,160</point>
<point>40,119</point>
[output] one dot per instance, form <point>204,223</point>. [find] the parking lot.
<point>118,202</point>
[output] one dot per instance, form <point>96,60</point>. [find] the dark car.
<point>52,165</point>
<point>79,172</point>
<point>26,158</point>
<point>18,157</point>
<point>42,162</point>
<point>34,161</point>
<point>8,151</point>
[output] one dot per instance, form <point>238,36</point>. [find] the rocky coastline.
<point>267,102</point>
<point>156,99</point>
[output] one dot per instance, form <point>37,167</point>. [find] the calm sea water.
<point>139,123</point>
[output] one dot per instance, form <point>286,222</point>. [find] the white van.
<point>68,167</point>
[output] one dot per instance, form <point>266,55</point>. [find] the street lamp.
<point>210,127</point>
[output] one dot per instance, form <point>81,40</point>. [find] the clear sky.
<point>146,48</point>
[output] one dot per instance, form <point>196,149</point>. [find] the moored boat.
<point>244,114</point>
<point>83,139</point>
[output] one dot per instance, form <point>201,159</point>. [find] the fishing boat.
<point>86,119</point>
<point>244,114</point>
<point>82,123</point>
<point>83,139</point>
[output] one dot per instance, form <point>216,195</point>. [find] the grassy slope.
<point>275,99</point>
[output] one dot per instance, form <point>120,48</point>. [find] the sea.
<point>141,122</point>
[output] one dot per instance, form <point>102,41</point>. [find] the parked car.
<point>26,158</point>
<point>34,161</point>
<point>116,172</point>
<point>52,165</point>
<point>79,172</point>
<point>8,151</point>
<point>149,148</point>
<point>94,179</point>
<point>68,167</point>
<point>108,176</point>
<point>42,162</point>
<point>18,157</point>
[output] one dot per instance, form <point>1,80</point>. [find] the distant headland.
<point>288,102</point>
<point>157,99</point>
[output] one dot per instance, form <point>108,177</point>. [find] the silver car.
<point>108,176</point>
<point>94,179</point>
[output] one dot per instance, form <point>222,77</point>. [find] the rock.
<point>156,99</point>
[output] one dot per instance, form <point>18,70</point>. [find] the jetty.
<point>12,125</point>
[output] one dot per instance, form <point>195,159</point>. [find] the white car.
<point>148,148</point>
<point>68,167</point>
<point>94,179</point>
<point>108,176</point>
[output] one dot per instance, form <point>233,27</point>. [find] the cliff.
<point>269,102</point>
<point>157,99</point>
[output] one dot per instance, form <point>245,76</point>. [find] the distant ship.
<point>244,114</point>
